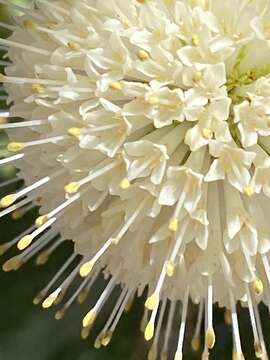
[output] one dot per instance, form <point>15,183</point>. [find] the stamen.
<point>11,159</point>
<point>55,6</point>
<point>236,335</point>
<point>154,348</point>
<point>84,293</point>
<point>253,320</point>
<point>56,296</point>
<point>108,336</point>
<point>170,266</point>
<point>44,256</point>
<point>9,182</point>
<point>153,301</point>
<point>8,26</point>
<point>10,199</point>
<point>261,349</point>
<point>6,246</point>
<point>116,308</point>
<point>39,245</point>
<point>195,343</point>
<point>90,317</point>
<point>169,327</point>
<point>28,239</point>
<point>150,328</point>
<point>19,213</point>
<point>22,80</point>
<point>88,266</point>
<point>173,225</point>
<point>179,351</point>
<point>18,146</point>
<point>129,222</point>
<point>59,273</point>
<point>41,220</point>
<point>144,320</point>
<point>29,48</point>
<point>15,207</point>
<point>75,186</point>
<point>23,124</point>
<point>210,337</point>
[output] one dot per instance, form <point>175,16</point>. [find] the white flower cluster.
<point>148,123</point>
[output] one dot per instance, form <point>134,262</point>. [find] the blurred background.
<point>28,332</point>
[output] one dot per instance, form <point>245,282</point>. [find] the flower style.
<point>141,129</point>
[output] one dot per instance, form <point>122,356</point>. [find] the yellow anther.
<point>89,318</point>
<point>15,147</point>
<point>17,214</point>
<point>72,187</point>
<point>152,354</point>
<point>85,333</point>
<point>25,242</point>
<point>164,356</point>
<point>228,317</point>
<point>41,220</point>
<point>74,46</point>
<point>3,120</point>
<point>149,331</point>
<point>173,225</point>
<point>37,300</point>
<point>82,296</point>
<point>129,305</point>
<point>170,268</point>
<point>7,201</point>
<point>238,356</point>
<point>86,269</point>
<point>258,350</point>
<point>115,241</point>
<point>207,133</point>
<point>38,89</point>
<point>12,264</point>
<point>143,55</point>
<point>142,1</point>
<point>28,24</point>
<point>2,77</point>
<point>152,302</point>
<point>195,343</point>
<point>249,190</point>
<point>195,40</point>
<point>124,184</point>
<point>97,344</point>
<point>115,85</point>
<point>210,338</point>
<point>152,100</point>
<point>178,356</point>
<point>76,132</point>
<point>198,76</point>
<point>42,258</point>
<point>258,287</point>
<point>107,338</point>
<point>60,314</point>
<point>50,300</point>
<point>3,249</point>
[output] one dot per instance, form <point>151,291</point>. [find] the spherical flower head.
<point>144,138</point>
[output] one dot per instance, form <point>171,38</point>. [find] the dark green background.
<point>29,333</point>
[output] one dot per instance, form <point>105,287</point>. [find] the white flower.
<point>253,120</point>
<point>142,131</point>
<point>232,163</point>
